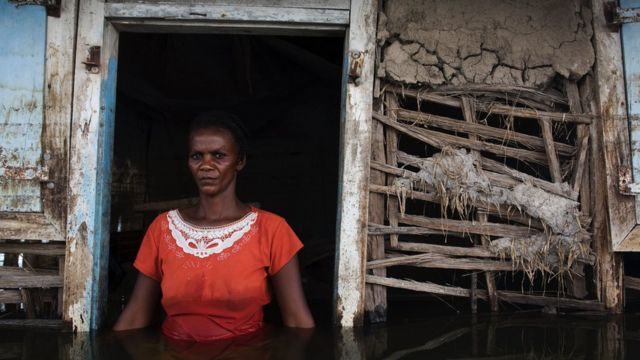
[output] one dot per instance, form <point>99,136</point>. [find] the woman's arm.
<point>288,289</point>
<point>139,309</point>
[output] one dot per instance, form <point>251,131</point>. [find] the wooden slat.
<point>501,211</point>
<point>394,170</point>
<point>391,137</point>
<point>440,140</point>
<point>582,133</point>
<point>375,230</point>
<point>496,179</point>
<point>401,260</point>
<point>375,304</point>
<point>632,282</point>
<point>492,289</point>
<point>508,296</point>
<point>473,251</point>
<point>418,286</point>
<point>22,270</point>
<point>14,278</point>
<point>437,261</point>
<point>253,13</point>
<point>581,160</point>
<point>429,96</point>
<point>577,284</point>
<point>33,249</point>
<point>212,16</point>
<point>533,142</point>
<point>388,190</point>
<point>586,93</point>
<point>28,226</point>
<point>492,165</point>
<point>544,98</point>
<point>518,298</point>
<point>552,156</point>
<point>535,114</point>
<point>10,296</point>
<point>469,113</point>
<point>501,109</point>
<point>468,227</point>
<point>510,214</point>
<point>474,265</point>
<point>281,4</point>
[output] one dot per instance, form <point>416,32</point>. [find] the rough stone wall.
<point>517,42</point>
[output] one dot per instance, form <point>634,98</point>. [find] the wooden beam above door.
<point>253,19</point>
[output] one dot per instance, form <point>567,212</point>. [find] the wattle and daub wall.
<point>505,85</point>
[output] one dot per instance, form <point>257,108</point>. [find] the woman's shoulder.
<point>268,217</point>
<point>161,219</point>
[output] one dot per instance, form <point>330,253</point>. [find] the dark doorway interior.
<point>286,91</point>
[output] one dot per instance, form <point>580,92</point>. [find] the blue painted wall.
<point>22,57</point>
<point>631,48</point>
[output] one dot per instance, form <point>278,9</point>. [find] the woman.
<point>211,261</point>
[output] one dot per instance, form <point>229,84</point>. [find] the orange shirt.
<point>214,279</point>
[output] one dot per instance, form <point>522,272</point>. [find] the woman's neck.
<point>222,206</point>
<point>216,210</point>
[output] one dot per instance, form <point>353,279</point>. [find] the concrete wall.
<point>518,42</point>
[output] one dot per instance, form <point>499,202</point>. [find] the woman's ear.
<point>241,163</point>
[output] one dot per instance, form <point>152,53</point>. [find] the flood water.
<point>508,336</point>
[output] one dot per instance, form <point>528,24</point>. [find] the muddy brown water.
<point>508,336</point>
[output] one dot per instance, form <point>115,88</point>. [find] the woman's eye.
<point>218,155</point>
<point>195,156</point>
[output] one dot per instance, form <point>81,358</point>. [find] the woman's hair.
<point>223,120</point>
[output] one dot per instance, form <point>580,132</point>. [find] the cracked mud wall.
<point>524,42</point>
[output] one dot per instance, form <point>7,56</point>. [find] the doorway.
<point>285,90</point>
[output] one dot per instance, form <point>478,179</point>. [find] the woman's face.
<point>214,160</point>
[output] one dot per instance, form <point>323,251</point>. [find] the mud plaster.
<point>458,181</point>
<point>525,43</point>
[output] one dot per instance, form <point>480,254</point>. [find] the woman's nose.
<point>207,162</point>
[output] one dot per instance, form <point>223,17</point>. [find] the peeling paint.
<point>78,253</point>
<point>83,174</point>
<point>630,33</point>
<point>22,57</point>
<point>103,193</point>
<point>354,170</point>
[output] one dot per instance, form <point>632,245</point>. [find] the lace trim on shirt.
<point>204,241</point>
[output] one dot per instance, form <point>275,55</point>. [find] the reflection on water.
<point>514,336</point>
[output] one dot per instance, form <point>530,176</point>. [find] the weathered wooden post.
<point>90,168</point>
<point>354,163</point>
<point>614,213</point>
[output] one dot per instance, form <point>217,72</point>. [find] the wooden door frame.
<point>93,122</point>
<point>614,223</point>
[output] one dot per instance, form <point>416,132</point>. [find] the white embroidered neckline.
<point>204,241</point>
